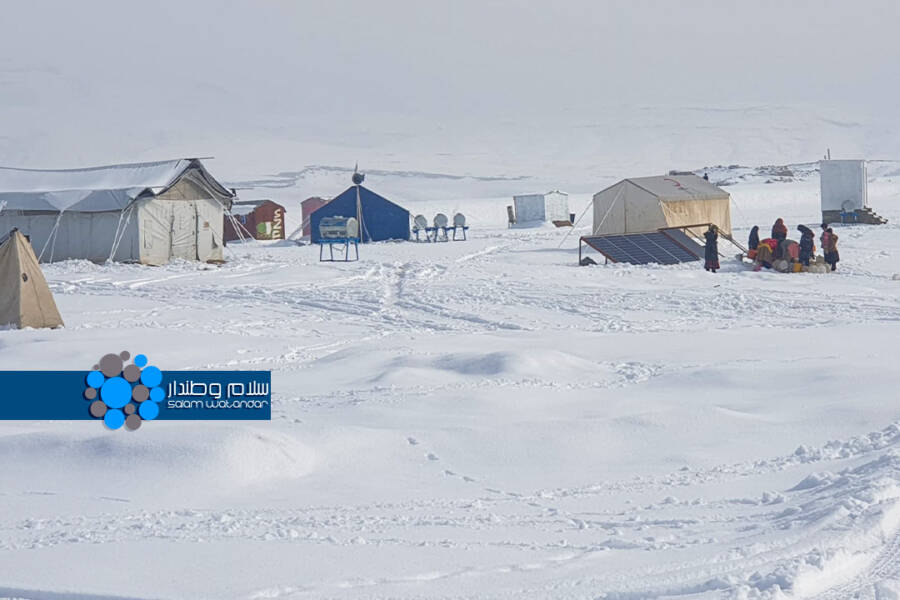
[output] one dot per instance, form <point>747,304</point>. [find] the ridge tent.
<point>381,218</point>
<point>645,204</point>
<point>25,299</point>
<point>144,212</point>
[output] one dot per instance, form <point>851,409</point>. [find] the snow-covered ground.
<point>479,419</point>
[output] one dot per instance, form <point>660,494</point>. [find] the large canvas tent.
<point>25,299</point>
<point>145,212</point>
<point>380,220</point>
<point>644,204</point>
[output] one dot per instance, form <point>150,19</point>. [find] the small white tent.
<point>25,299</point>
<point>645,204</point>
<point>535,208</point>
<point>145,212</point>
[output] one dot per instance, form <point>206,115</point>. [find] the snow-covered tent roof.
<point>679,187</point>
<point>95,189</point>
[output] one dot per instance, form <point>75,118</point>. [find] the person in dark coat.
<point>712,249</point>
<point>753,242</point>
<point>807,244</point>
<point>779,230</point>
<point>831,252</point>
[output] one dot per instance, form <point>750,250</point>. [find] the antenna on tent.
<point>358,177</point>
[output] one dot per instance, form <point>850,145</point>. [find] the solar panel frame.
<point>644,248</point>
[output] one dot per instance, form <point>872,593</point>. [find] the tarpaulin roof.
<point>679,187</point>
<point>94,189</point>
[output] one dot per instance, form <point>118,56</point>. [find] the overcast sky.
<point>170,69</point>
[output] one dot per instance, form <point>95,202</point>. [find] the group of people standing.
<point>779,247</point>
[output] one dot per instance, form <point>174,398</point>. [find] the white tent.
<point>25,299</point>
<point>534,208</point>
<point>146,212</point>
<point>644,204</point>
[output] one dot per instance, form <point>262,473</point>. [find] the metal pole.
<point>359,214</point>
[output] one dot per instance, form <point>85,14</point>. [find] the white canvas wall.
<point>556,206</point>
<point>529,207</point>
<point>627,209</point>
<point>151,231</point>
<point>210,230</point>
<point>843,184</point>
<point>186,229</point>
<point>609,210</point>
<point>79,235</point>
<point>695,212</point>
<point>552,206</point>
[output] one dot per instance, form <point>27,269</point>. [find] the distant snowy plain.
<point>480,419</point>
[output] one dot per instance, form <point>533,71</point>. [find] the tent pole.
<point>52,236</point>
<point>359,213</point>
<point>575,224</point>
<point>590,204</point>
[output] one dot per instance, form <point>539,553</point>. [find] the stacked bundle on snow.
<point>25,299</point>
<point>644,204</point>
<point>145,212</point>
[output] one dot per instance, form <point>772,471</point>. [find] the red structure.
<point>307,208</point>
<point>258,219</point>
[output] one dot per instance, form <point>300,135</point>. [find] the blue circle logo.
<point>122,394</point>
<point>116,392</point>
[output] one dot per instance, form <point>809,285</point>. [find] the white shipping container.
<point>843,184</point>
<point>552,206</point>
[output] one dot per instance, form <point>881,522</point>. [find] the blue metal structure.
<point>380,219</point>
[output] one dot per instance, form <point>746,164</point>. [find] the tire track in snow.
<point>886,565</point>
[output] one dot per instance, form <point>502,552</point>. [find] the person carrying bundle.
<point>829,247</point>
<point>807,244</point>
<point>712,249</point>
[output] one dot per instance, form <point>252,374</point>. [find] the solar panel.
<point>664,247</point>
